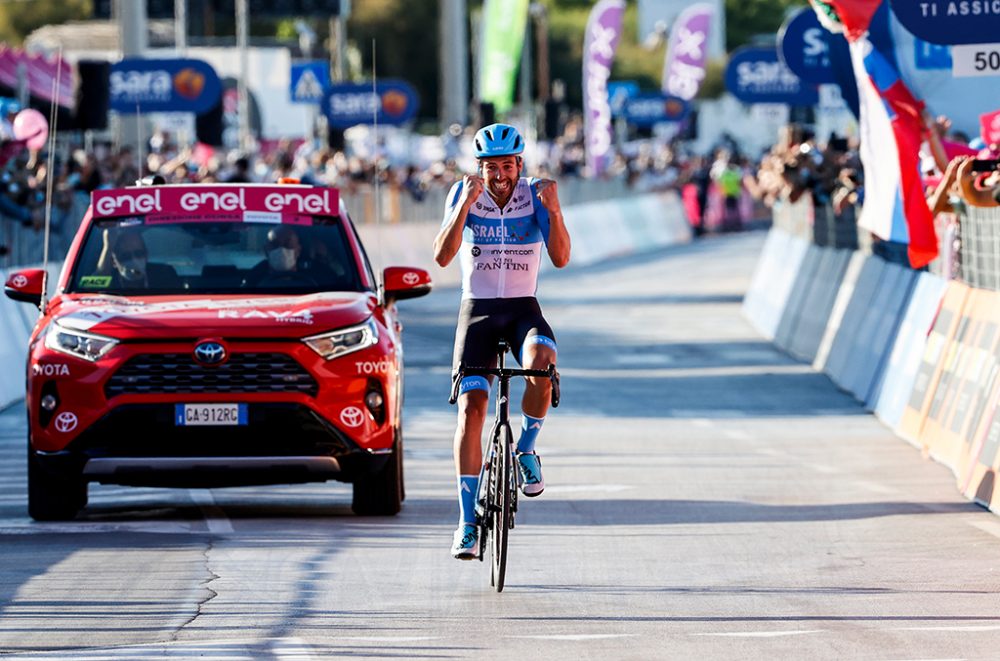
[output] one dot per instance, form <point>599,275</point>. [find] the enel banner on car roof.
<point>265,203</point>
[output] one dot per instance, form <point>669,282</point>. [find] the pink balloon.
<point>31,126</point>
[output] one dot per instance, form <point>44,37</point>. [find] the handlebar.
<point>505,373</point>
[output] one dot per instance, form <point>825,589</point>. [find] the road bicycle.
<point>496,502</point>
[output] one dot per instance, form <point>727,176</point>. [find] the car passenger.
<point>281,259</point>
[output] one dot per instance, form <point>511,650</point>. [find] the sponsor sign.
<point>604,28</point>
<point>19,281</point>
<point>950,21</point>
<point>687,52</point>
<point>250,203</point>
<point>309,82</point>
<point>620,91</point>
<point>178,85</point>
<point>393,102</point>
<point>990,127</point>
<point>976,59</point>
<point>655,108</point>
<point>804,46</point>
<point>757,75</point>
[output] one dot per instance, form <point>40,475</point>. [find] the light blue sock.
<point>529,432</point>
<point>468,485</point>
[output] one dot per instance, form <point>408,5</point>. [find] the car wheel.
<point>381,494</point>
<point>53,497</point>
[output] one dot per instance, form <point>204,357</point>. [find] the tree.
<point>19,19</point>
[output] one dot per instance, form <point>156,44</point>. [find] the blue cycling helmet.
<point>498,140</point>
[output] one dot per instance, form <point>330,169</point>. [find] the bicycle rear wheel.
<point>500,513</point>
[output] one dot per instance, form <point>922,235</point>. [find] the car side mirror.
<point>25,286</point>
<point>403,282</point>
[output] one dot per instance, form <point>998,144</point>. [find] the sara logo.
<point>19,281</point>
<point>175,85</point>
<point>352,416</point>
<point>66,422</point>
<point>392,101</point>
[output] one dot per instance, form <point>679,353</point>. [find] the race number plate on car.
<point>210,415</point>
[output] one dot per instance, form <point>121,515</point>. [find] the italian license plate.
<point>210,415</point>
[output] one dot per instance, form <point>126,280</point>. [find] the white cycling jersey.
<point>502,248</point>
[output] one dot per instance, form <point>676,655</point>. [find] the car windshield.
<point>129,256</point>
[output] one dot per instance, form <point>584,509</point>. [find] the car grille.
<point>179,373</point>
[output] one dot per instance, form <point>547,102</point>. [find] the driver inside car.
<point>126,258</point>
<point>281,258</point>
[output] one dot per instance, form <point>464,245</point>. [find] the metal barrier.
<point>979,246</point>
<point>25,244</point>
<point>397,204</point>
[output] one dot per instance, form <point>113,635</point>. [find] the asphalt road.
<point>708,498</point>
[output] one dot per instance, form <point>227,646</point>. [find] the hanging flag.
<point>502,37</point>
<point>687,52</point>
<point>891,124</point>
<point>604,28</point>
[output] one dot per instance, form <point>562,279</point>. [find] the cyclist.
<point>498,222</point>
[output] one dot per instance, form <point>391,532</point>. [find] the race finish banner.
<point>950,21</point>
<point>757,75</point>
<point>393,102</point>
<point>604,29</point>
<point>687,52</point>
<point>502,37</point>
<point>652,108</point>
<point>178,85</point>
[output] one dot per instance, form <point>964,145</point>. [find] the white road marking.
<point>876,487</point>
<point>825,469</point>
<point>578,488</point>
<point>737,435</point>
<point>760,634</point>
<point>27,527</point>
<point>384,639</point>
<point>215,518</point>
<point>704,423</point>
<point>956,627</point>
<point>989,527</point>
<point>290,648</point>
<point>635,359</point>
<point>579,636</point>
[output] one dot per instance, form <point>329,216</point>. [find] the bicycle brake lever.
<point>554,377</point>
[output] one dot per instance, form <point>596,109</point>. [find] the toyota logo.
<point>66,422</point>
<point>19,281</point>
<point>209,353</point>
<point>410,278</point>
<point>352,416</point>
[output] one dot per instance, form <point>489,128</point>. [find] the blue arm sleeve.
<point>451,201</point>
<point>541,213</point>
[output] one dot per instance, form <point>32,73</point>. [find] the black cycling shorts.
<point>483,322</point>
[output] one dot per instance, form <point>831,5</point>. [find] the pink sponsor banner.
<point>990,127</point>
<point>604,28</point>
<point>261,204</point>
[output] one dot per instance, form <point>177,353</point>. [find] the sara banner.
<point>177,85</point>
<point>757,75</point>
<point>649,109</point>
<point>950,21</point>
<point>502,37</point>
<point>604,28</point>
<point>687,51</point>
<point>805,47</point>
<point>392,102</point>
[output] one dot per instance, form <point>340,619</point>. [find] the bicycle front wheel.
<point>501,478</point>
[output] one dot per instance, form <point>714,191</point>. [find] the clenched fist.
<point>546,190</point>
<point>472,187</point>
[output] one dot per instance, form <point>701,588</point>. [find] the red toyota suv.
<point>215,335</point>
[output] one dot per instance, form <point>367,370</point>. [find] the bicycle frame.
<point>496,500</point>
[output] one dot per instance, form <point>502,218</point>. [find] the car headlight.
<point>344,341</point>
<point>78,343</point>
